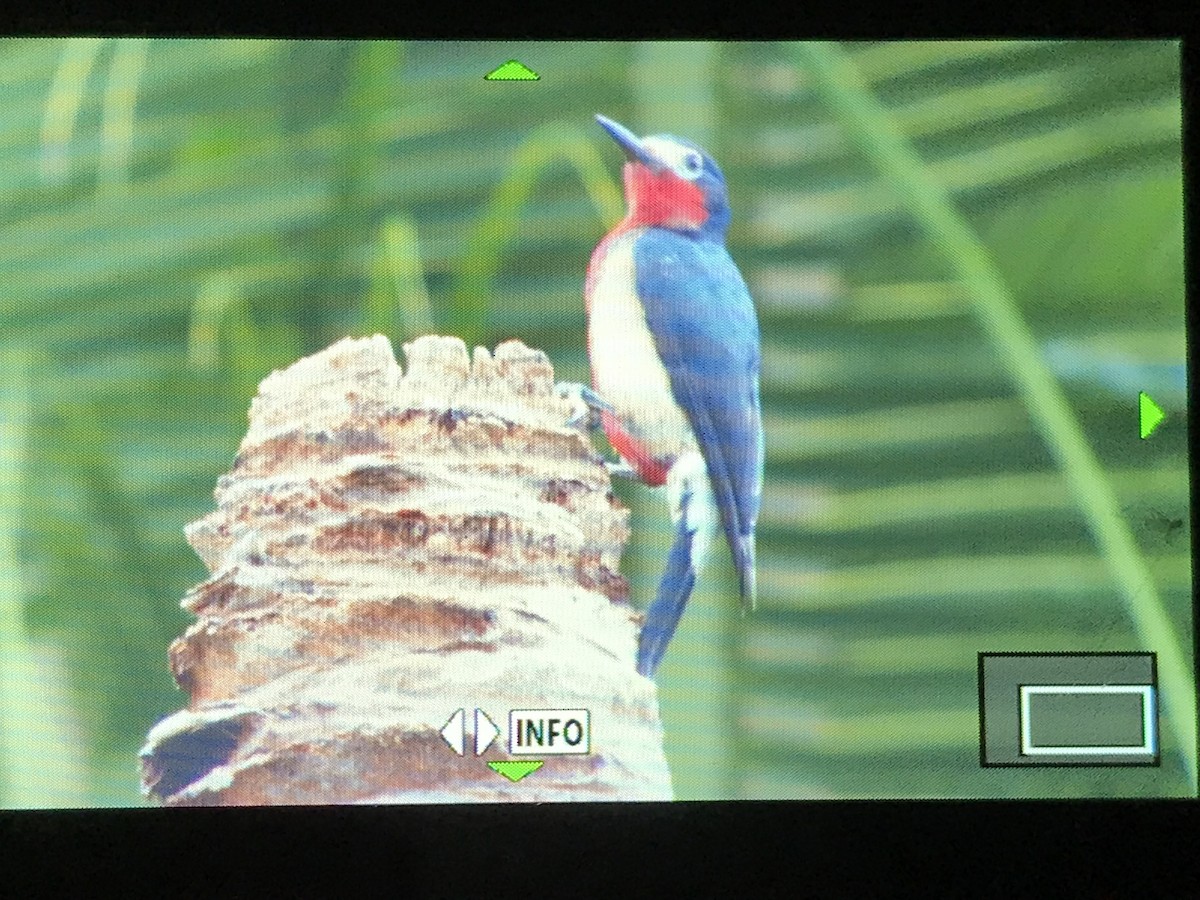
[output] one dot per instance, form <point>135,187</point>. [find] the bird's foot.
<point>586,404</point>
<point>621,469</point>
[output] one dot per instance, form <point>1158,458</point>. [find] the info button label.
<point>549,732</point>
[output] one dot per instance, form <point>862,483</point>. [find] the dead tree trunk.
<point>390,548</point>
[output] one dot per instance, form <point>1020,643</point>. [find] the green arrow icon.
<point>1149,415</point>
<point>515,770</point>
<point>512,71</point>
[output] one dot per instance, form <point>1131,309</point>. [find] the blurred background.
<point>178,218</point>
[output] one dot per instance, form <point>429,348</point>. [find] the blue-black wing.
<point>705,329</point>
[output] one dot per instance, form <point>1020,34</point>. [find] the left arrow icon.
<point>485,731</point>
<point>454,731</point>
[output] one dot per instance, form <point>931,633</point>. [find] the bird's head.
<point>670,182</point>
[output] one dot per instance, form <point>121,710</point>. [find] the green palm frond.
<point>505,211</point>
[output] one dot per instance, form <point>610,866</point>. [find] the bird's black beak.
<point>628,141</point>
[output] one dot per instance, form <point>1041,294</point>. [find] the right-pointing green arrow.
<point>1149,415</point>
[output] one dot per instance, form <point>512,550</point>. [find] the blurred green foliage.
<point>178,218</point>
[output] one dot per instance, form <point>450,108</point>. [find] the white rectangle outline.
<point>1146,690</point>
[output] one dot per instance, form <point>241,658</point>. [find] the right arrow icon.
<point>485,731</point>
<point>1150,415</point>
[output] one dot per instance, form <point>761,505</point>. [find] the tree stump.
<point>392,547</point>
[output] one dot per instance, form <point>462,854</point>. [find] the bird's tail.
<point>694,511</point>
<point>673,592</point>
<point>743,558</point>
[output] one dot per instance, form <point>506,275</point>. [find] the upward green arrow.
<point>512,71</point>
<point>1149,415</point>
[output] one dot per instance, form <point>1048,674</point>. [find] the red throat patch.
<point>662,198</point>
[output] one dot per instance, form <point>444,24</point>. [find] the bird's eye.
<point>693,165</point>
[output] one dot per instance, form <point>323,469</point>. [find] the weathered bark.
<point>391,547</point>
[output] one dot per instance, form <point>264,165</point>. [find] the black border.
<point>759,849</point>
<point>592,21</point>
<point>983,763</point>
<point>634,850</point>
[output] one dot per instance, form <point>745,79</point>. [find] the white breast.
<point>626,368</point>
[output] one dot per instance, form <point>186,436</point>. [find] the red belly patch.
<point>652,470</point>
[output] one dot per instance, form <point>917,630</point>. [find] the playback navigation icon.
<point>454,731</point>
<point>531,732</point>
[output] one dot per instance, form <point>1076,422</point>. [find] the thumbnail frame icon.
<point>1068,709</point>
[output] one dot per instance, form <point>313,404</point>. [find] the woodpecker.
<point>673,343</point>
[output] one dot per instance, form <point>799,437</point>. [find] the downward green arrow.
<point>1149,415</point>
<point>515,770</point>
